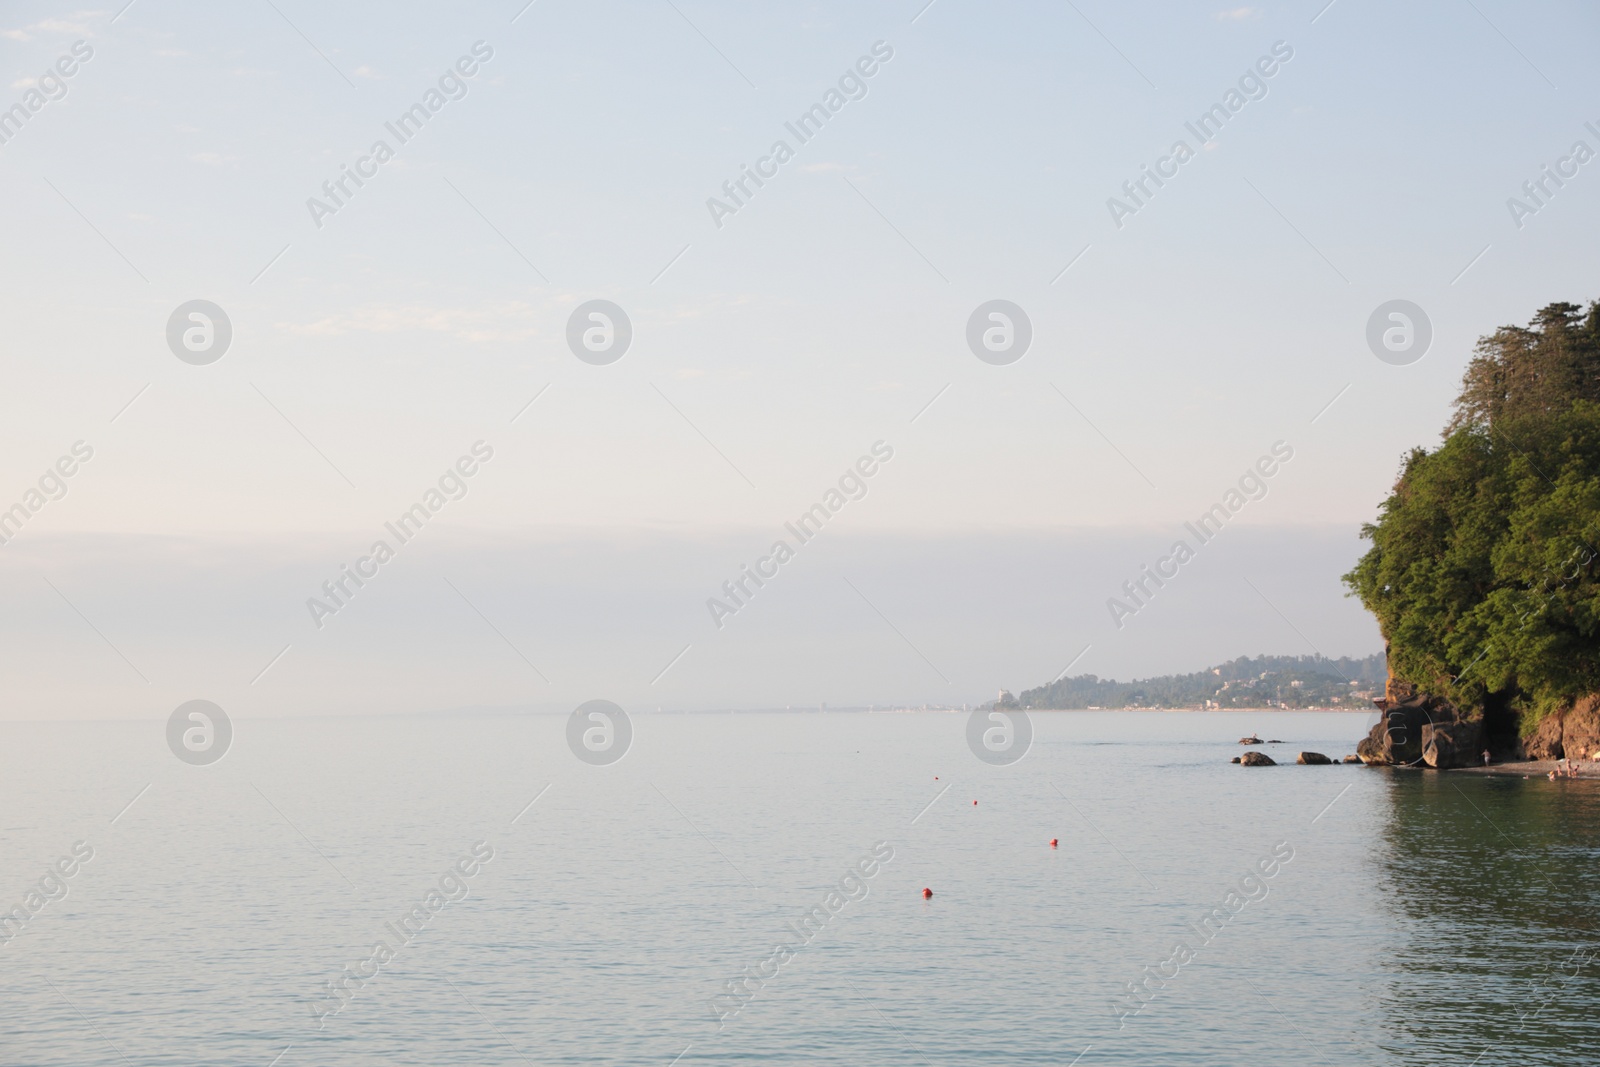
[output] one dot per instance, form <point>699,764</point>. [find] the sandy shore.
<point>1532,768</point>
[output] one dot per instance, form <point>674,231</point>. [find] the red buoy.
<point>974,803</point>
<point>927,894</point>
<point>1052,842</point>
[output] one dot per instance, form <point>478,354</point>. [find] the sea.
<point>750,888</point>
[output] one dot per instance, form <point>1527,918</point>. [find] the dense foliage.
<point>1483,570</point>
<point>1286,681</point>
<point>1528,372</point>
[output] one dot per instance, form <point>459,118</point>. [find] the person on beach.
<point>1486,757</point>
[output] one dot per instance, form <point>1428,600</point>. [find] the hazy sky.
<point>373,346</point>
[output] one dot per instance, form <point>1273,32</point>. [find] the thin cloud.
<point>44,26</point>
<point>466,324</point>
<point>60,26</point>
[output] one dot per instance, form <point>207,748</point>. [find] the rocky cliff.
<point>1423,731</point>
<point>1418,729</point>
<point>1572,732</point>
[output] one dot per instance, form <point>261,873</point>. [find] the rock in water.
<point>1352,759</point>
<point>1312,757</point>
<point>1234,760</point>
<point>1257,759</point>
<point>1251,740</point>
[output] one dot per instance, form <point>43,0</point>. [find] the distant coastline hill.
<point>1263,681</point>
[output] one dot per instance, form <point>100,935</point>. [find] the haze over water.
<point>404,406</point>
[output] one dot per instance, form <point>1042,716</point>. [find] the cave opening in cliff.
<point>1501,724</point>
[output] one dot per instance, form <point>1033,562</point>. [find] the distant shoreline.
<point>1206,711</point>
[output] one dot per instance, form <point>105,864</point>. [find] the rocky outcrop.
<point>1394,690</point>
<point>1251,740</point>
<point>1352,759</point>
<point>1420,730</point>
<point>1572,732</point>
<point>1312,757</point>
<point>1453,744</point>
<point>1545,742</point>
<point>1257,759</point>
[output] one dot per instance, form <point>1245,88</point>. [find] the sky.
<point>1179,334</point>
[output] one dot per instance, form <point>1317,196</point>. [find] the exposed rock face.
<point>1546,740</point>
<point>1570,733</point>
<point>1418,729</point>
<point>1394,690</point>
<point>1312,757</point>
<point>1352,759</point>
<point>1422,730</point>
<point>1457,744</point>
<point>1257,759</point>
<point>1396,737</point>
<point>1580,728</point>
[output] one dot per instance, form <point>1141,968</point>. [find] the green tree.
<point>1535,370</point>
<point>1483,570</point>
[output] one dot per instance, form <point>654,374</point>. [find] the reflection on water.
<point>220,901</point>
<point>1491,886</point>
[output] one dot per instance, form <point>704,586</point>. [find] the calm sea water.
<point>1422,919</point>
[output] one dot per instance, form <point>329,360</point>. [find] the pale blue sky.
<point>824,316</point>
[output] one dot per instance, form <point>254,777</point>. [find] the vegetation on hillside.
<point>1265,681</point>
<point>1483,572</point>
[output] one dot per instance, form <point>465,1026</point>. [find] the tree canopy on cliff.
<point>1533,371</point>
<point>1483,570</point>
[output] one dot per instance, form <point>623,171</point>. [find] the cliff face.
<point>1420,730</point>
<point>1571,733</point>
